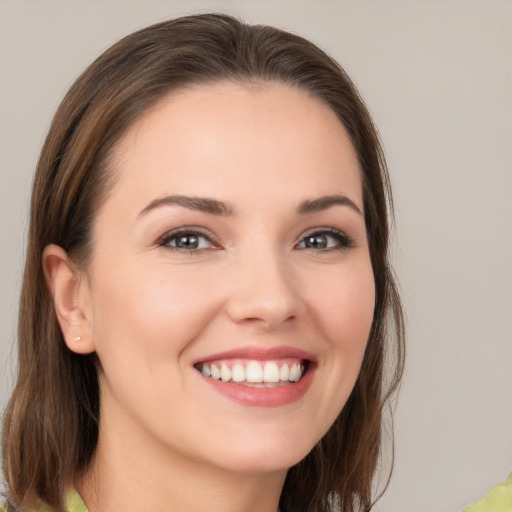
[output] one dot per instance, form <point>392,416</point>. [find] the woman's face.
<point>230,292</point>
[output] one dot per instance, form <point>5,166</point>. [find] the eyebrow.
<point>215,207</point>
<point>202,204</point>
<point>323,203</point>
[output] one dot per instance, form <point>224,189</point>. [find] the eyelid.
<point>345,241</point>
<point>164,240</point>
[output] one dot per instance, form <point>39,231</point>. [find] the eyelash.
<point>165,240</point>
<point>343,241</point>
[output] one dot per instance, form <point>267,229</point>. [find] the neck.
<point>134,475</point>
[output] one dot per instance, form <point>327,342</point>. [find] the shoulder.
<point>499,499</point>
<point>73,503</point>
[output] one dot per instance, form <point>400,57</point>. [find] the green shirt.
<point>499,499</point>
<point>73,503</point>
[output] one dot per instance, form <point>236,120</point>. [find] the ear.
<point>69,290</point>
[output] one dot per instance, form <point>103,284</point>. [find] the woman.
<point>207,301</point>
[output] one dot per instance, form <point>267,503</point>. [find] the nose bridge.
<point>263,288</point>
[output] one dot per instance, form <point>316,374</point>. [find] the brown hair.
<point>50,426</point>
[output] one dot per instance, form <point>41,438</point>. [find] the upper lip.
<point>260,354</point>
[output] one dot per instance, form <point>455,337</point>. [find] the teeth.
<point>284,372</point>
<point>215,372</point>
<point>225,373</point>
<point>270,373</point>
<point>238,373</point>
<point>254,373</point>
<point>295,373</point>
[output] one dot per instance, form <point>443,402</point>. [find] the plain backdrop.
<point>437,77</point>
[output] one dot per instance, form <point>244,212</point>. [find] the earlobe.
<point>66,286</point>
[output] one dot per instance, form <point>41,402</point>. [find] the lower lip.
<point>263,397</point>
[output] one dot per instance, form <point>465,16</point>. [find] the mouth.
<point>254,373</point>
<point>259,377</point>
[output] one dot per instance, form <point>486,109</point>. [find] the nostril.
<point>266,313</point>
<point>263,294</point>
<point>268,322</point>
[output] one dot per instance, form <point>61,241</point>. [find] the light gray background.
<point>437,76</point>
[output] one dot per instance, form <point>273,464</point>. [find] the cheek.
<point>145,315</point>
<point>344,304</point>
<point>342,307</point>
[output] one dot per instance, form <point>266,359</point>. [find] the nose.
<point>264,291</point>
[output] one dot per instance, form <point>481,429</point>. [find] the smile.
<point>254,373</point>
<point>259,376</point>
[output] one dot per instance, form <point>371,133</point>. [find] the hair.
<point>50,426</point>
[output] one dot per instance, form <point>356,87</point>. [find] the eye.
<point>186,240</point>
<point>325,239</point>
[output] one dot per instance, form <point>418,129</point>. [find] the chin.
<point>260,456</point>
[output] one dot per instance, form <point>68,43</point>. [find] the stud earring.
<point>77,338</point>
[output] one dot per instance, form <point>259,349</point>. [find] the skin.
<point>150,311</point>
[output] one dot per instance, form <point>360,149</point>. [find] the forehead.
<point>212,139</point>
